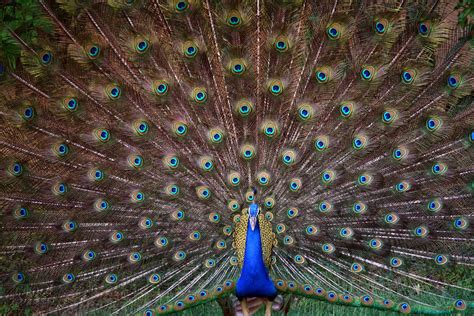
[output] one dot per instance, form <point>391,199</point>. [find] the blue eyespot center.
<point>94,50</point>
<point>28,112</point>
<point>407,76</point>
<point>72,103</point>
<point>46,58</point>
<point>452,81</point>
<point>142,45</point>
<point>161,88</point>
<point>423,28</point>
<point>234,20</point>
<point>380,27</point>
<point>17,168</point>
<point>181,5</point>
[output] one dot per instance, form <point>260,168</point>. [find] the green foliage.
<point>466,14</point>
<point>26,19</point>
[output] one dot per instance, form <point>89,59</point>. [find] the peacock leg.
<point>268,307</point>
<point>245,308</point>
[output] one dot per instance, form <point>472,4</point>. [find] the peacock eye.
<point>93,51</point>
<point>359,142</point>
<point>46,58</point>
<point>180,129</point>
<point>162,88</point>
<point>305,112</point>
<point>333,32</point>
<point>244,108</point>
<point>380,28</point>
<point>142,46</point>
<point>181,5</point>
<point>366,74</point>
<point>190,49</point>
<point>199,95</point>
<point>70,104</point>
<point>238,67</point>
<point>389,116</point>
<point>275,87</point>
<point>234,19</point>
<point>16,169</point>
<point>408,76</point>
<point>347,109</point>
<point>321,76</point>
<point>113,92</point>
<point>433,124</point>
<point>28,113</point>
<point>454,81</point>
<point>424,28</point>
<point>280,45</point>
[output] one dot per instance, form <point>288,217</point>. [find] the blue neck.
<point>254,280</point>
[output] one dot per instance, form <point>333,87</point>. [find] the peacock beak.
<point>253,222</point>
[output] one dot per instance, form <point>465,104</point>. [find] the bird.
<point>158,155</point>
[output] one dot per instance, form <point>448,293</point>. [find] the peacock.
<point>158,155</point>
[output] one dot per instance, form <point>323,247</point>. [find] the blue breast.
<point>254,280</point>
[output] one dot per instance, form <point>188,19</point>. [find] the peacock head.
<point>253,212</point>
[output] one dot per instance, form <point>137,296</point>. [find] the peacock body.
<point>133,134</point>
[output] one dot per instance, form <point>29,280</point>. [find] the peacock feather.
<point>157,155</point>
